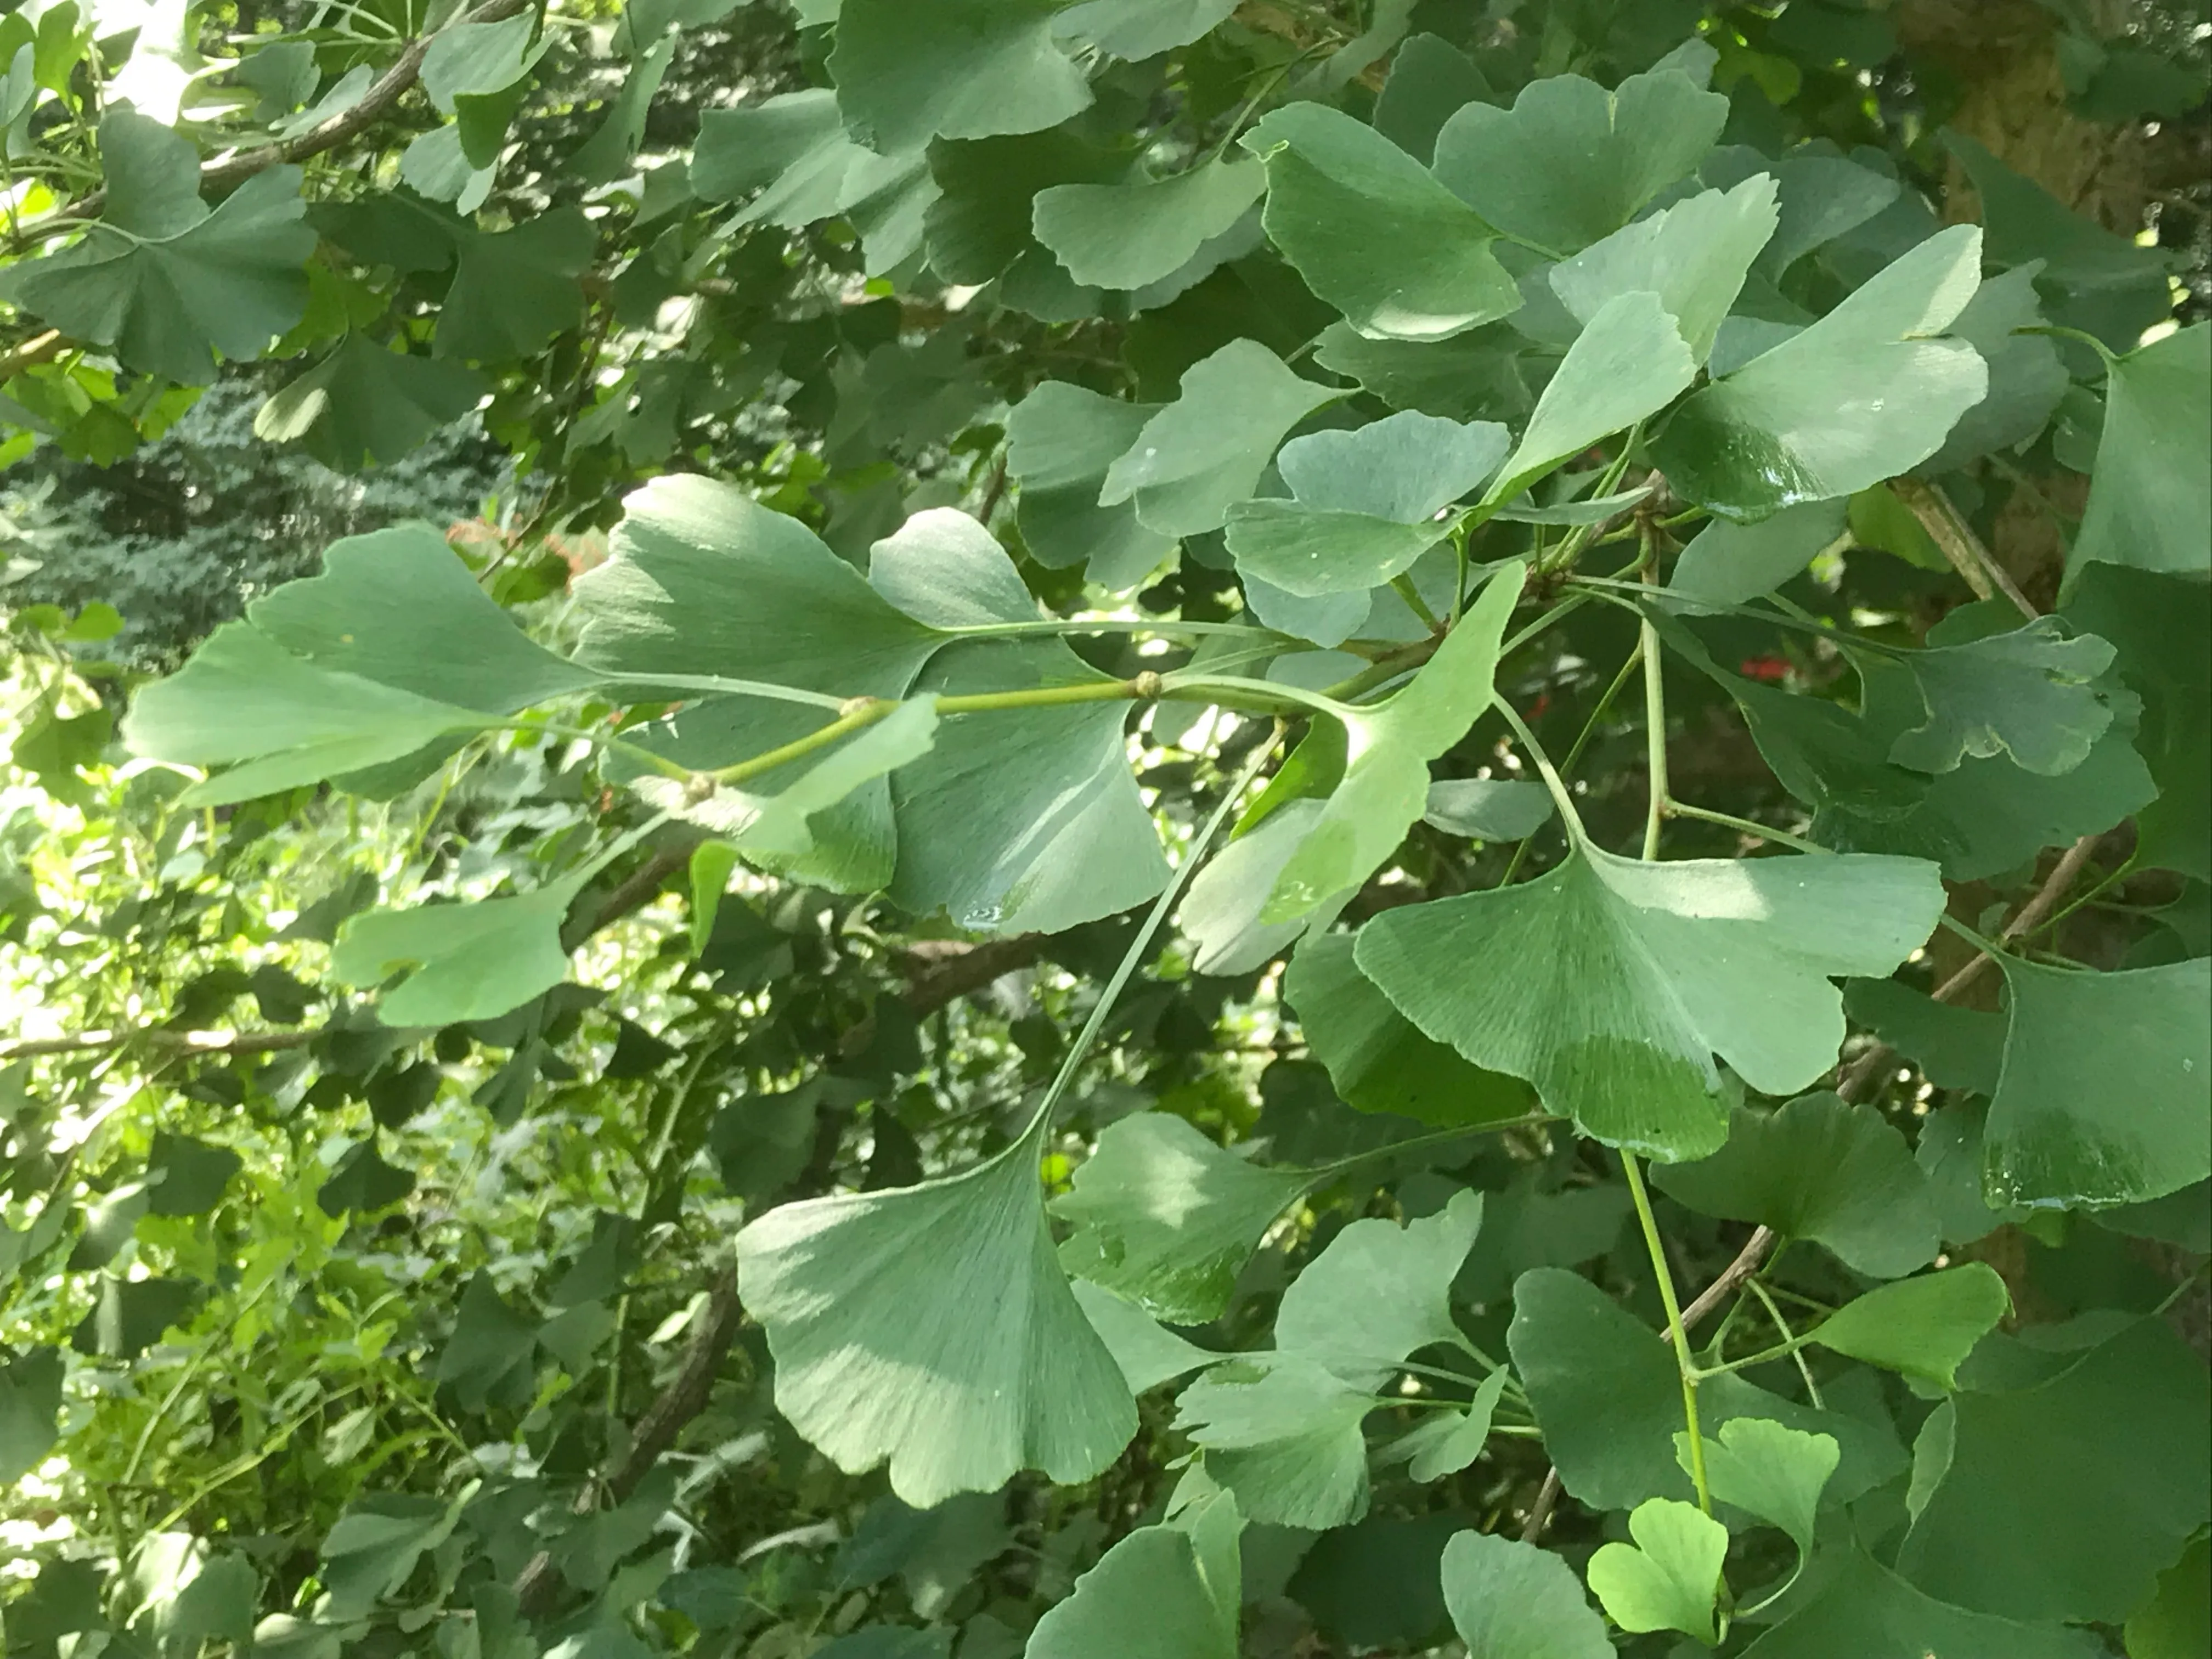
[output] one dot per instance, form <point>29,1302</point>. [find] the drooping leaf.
<point>2102,1099</point>
<point>1378,1061</point>
<point>1171,1591</point>
<point>983,223</point>
<point>1379,1292</point>
<point>1477,373</point>
<point>1390,746</point>
<point>373,1547</point>
<point>1372,230</point>
<point>186,1177</point>
<point>883,1354</point>
<point>1512,1601</point>
<point>2027,378</point>
<point>1449,1441</point>
<point>1488,809</point>
<point>1137,29</point>
<point>515,289</point>
<point>1282,1432</point>
<point>274,721</point>
<point>1670,1577</point>
<point>1571,162</point>
<point>1060,440</point>
<point>1148,1354</point>
<point>1861,395</point>
<point>1694,255</point>
<point>1127,235</point>
<point>490,1358</point>
<point>968,69</point>
<point>1221,911</point>
<point>362,1181</point>
<point>2063,1500</point>
<point>1628,362</point>
<point>1769,1470</point>
<point>2026,694</point>
<point>2150,505</point>
<point>1166,1218</point>
<point>30,1404</point>
<point>1819,1170</point>
<point>1728,563</point>
<point>1365,502</point>
<point>1921,1327</point>
<point>1610,984</point>
<point>128,1316</point>
<point>160,277</point>
<point>1868,1612</point>
<point>1204,453</point>
<point>364,405</point>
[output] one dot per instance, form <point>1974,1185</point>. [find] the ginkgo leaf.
<point>1379,1292</point>
<point>1372,230</point>
<point>1450,1440</point>
<point>1148,1352</point>
<point>276,722</point>
<point>2103,1096</point>
<point>1727,563</point>
<point>1571,162</point>
<point>1125,235</point>
<point>883,1354</point>
<point>1388,748</point>
<point>1377,1058</point>
<point>1864,394</point>
<point>1670,1577</point>
<point>1513,1601</point>
<point>162,278</point>
<point>2149,503</point>
<point>1629,361</point>
<point>1610,984</point>
<point>463,962</point>
<point>1205,452</point>
<point>1819,1170</point>
<point>514,290</point>
<point>1282,1432</point>
<point>2027,694</point>
<point>398,606</point>
<point>1173,1591</point>
<point>1221,911</point>
<point>1366,502</point>
<point>1060,440</point>
<point>967,70</point>
<point>1166,1218</point>
<point>1870,1613</point>
<point>364,405</point>
<point>1694,255</point>
<point>1923,1327</point>
<point>1488,809</point>
<point>1770,1470</point>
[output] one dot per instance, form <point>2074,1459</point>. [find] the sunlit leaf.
<point>1921,1327</point>
<point>1668,1578</point>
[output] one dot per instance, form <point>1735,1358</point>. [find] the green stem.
<point>613,745</point>
<point>1774,1312</point>
<point>1574,753</point>
<point>1759,831</point>
<point>1654,733</point>
<point>1675,1333</point>
<point>1558,785</point>
<point>1402,585</point>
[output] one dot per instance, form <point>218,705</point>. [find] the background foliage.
<point>331,1334</point>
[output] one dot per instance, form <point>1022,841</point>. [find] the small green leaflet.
<point>1173,1591</point>
<point>1486,809</point>
<point>2027,694</point>
<point>882,1353</point>
<point>1512,1601</point>
<point>1127,235</point>
<point>711,863</point>
<point>1221,912</point>
<point>1060,440</point>
<point>1571,162</point>
<point>1336,1313</point>
<point>1610,983</point>
<point>462,961</point>
<point>1727,563</point>
<point>368,1554</point>
<point>2150,500</point>
<point>967,69</point>
<point>1861,395</point>
<point>1366,502</point>
<point>2103,1098</point>
<point>514,290</point>
<point>1819,1170</point>
<point>1205,452</point>
<point>162,278</point>
<point>1148,1352</point>
<point>1923,1327</point>
<point>1372,230</point>
<point>1449,1441</point>
<point>1769,1470</point>
<point>1390,746</point>
<point>1670,1577</point>
<point>30,1406</point>
<point>1167,1219</point>
<point>1694,255</point>
<point>1283,1433</point>
<point>364,405</point>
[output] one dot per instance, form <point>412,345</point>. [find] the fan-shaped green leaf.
<point>1137,29</point>
<point>2104,1097</point>
<point>1221,912</point>
<point>514,290</point>
<point>1486,809</point>
<point>1449,1441</point>
<point>1166,1218</point>
<point>966,69</point>
<point>1670,1577</point>
<point>363,404</point>
<point>1512,1601</point>
<point>1609,984</point>
<point>1818,1169</point>
<point>884,1353</point>
<point>1694,255</point>
<point>462,961</point>
<point>1769,1470</point>
<point>2027,694</point>
<point>1282,1432</point>
<point>1372,230</point>
<point>1727,563</point>
<point>1148,1352</point>
<point>1205,452</point>
<point>1060,440</point>
<point>1869,1613</point>
<point>1124,236</point>
<point>1571,162</point>
<point>1169,1591</point>
<point>1380,1292</point>
<point>1923,1327</point>
<point>1861,395</point>
<point>2150,502</point>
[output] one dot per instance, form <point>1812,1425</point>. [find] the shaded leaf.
<point>2150,502</point>
<point>1282,1432</point>
<point>30,1406</point>
<point>514,290</point>
<point>2026,694</point>
<point>1380,1292</point>
<point>1727,563</point>
<point>970,69</point>
<point>468,961</point>
<point>1060,440</point>
<point>1512,1601</point>
<point>1694,255</point>
<point>1773,1472</point>
<point>364,405</point>
<point>1923,1327</point>
<point>1869,1613</point>
<point>1127,235</point>
<point>1148,1354</point>
<point>1169,1591</point>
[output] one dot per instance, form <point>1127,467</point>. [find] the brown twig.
<point>1964,549</point>
<point>237,167</point>
<point>38,349</point>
